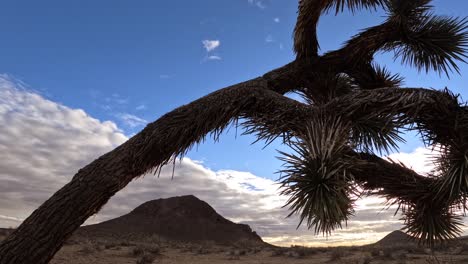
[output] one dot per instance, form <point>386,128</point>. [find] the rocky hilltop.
<point>183,218</point>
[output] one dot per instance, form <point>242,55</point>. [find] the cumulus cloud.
<point>276,19</point>
<point>210,45</point>
<point>43,144</point>
<point>420,160</point>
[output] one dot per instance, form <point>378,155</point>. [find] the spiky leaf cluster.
<point>317,175</point>
<point>431,223</point>
<point>428,42</point>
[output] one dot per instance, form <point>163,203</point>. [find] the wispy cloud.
<point>269,39</point>
<point>140,107</point>
<point>164,76</point>
<point>259,3</point>
<point>117,99</point>
<point>210,45</point>
<point>132,120</point>
<point>276,19</point>
<point>214,57</point>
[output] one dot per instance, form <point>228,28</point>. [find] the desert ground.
<point>84,251</point>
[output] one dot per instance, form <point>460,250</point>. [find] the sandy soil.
<point>105,252</point>
<point>195,254</point>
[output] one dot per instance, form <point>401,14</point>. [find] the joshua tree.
<point>353,109</point>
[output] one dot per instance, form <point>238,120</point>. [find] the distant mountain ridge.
<point>183,218</point>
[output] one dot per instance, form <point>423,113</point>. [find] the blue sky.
<point>132,61</point>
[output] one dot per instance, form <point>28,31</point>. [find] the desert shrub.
<point>464,248</point>
<point>300,251</point>
<point>375,252</point>
<point>146,258</point>
<point>153,249</point>
<point>138,251</point>
<point>255,250</point>
<point>233,257</point>
<point>278,252</point>
<point>366,260</point>
<point>110,245</point>
<point>418,250</point>
<point>127,243</point>
<point>142,249</point>
<point>200,250</point>
<point>337,254</point>
<point>89,247</point>
<point>240,252</point>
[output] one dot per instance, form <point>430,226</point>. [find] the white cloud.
<point>43,144</point>
<point>420,160</point>
<point>269,39</point>
<point>276,19</point>
<point>210,45</point>
<point>214,57</point>
<point>164,76</point>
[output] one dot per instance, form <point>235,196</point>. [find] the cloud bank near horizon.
<point>44,143</point>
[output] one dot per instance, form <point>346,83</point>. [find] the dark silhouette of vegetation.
<point>353,110</point>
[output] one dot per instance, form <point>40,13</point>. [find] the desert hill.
<point>396,237</point>
<point>184,218</point>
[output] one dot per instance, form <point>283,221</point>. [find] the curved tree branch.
<point>305,33</point>
<point>306,44</point>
